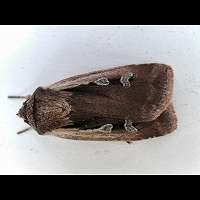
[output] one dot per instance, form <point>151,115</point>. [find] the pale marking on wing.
<point>128,125</point>
<point>107,128</point>
<point>102,81</point>
<point>125,79</point>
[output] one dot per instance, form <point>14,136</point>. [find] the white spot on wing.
<point>102,81</point>
<point>125,79</point>
<point>107,128</point>
<point>129,127</point>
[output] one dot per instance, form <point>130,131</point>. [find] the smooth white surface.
<point>32,56</point>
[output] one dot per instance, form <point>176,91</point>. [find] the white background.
<point>32,56</point>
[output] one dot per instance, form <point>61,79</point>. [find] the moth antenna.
<point>24,130</point>
<point>18,97</point>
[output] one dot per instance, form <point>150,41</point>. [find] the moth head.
<point>26,111</point>
<point>46,110</point>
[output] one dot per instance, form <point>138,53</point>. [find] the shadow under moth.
<point>125,103</point>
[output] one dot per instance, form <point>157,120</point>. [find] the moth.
<point>123,103</point>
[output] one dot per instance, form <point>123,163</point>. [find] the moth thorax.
<point>46,110</point>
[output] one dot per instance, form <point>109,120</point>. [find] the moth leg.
<point>129,127</point>
<point>125,79</point>
<point>19,97</point>
<point>107,128</point>
<point>102,81</point>
<point>24,130</point>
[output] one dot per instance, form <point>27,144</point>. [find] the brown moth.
<point>124,103</point>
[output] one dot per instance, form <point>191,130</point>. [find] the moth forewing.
<point>152,84</point>
<point>84,79</point>
<point>164,124</point>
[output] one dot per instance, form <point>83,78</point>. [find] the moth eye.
<point>107,128</point>
<point>125,79</point>
<point>129,126</point>
<point>102,81</point>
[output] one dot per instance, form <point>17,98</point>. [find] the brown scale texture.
<point>164,124</point>
<point>76,104</point>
